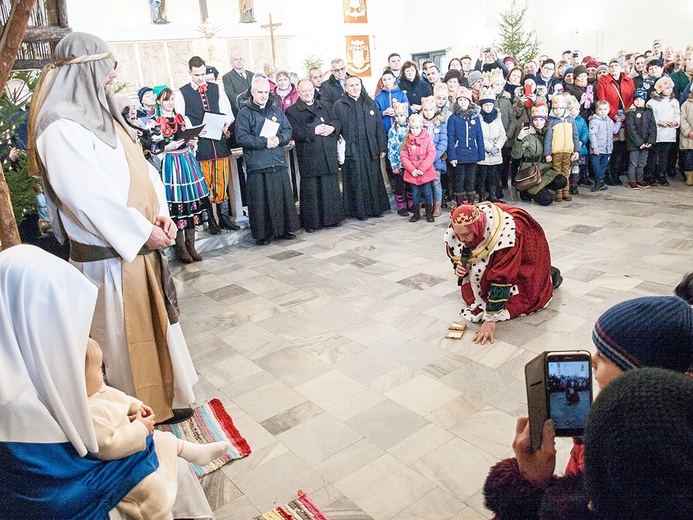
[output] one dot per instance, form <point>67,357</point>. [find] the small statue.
<point>157,11</point>
<point>247,11</point>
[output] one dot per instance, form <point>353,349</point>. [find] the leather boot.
<point>400,202</point>
<point>460,198</point>
<point>559,196</point>
<point>470,197</point>
<point>212,225</point>
<point>181,249</point>
<point>224,220</point>
<point>689,178</point>
<point>429,213</point>
<point>417,213</point>
<point>190,244</point>
<point>566,194</point>
<point>437,212</point>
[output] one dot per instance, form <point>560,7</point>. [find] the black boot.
<point>224,220</point>
<point>429,213</point>
<point>417,213</point>
<point>212,225</point>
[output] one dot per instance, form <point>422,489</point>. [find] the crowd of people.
<point>464,134</point>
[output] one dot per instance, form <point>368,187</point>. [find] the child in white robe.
<point>122,425</point>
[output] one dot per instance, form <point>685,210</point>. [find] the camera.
<point>559,387</point>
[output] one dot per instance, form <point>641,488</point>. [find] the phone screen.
<point>569,391</point>
<point>559,387</point>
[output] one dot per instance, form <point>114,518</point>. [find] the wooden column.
<point>9,48</point>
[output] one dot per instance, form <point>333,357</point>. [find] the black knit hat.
<point>654,331</point>
<point>141,92</point>
<point>639,447</point>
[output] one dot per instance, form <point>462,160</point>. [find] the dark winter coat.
<point>331,90</point>
<point>314,150</point>
<point>249,123</point>
<point>235,84</point>
<point>415,90</point>
<point>465,137</point>
<point>345,110</point>
<point>641,128</point>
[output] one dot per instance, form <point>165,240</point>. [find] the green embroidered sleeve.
<point>498,298</point>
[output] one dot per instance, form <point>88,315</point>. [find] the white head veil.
<point>46,308</point>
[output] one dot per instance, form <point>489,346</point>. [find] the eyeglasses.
<point>341,69</point>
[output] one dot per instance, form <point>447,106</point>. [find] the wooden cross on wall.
<point>271,27</point>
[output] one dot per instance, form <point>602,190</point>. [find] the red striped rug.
<point>302,508</point>
<point>210,423</point>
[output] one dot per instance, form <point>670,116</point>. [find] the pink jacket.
<point>420,153</point>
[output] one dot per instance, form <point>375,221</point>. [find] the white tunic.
<point>92,180</point>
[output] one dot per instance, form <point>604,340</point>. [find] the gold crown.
<point>463,219</point>
<point>496,76</point>
<point>400,108</point>
<point>486,77</point>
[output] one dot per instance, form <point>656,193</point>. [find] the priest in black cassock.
<point>366,143</point>
<point>315,131</point>
<point>263,130</point>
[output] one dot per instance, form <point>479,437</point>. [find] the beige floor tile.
<point>384,487</point>
<point>318,438</point>
<point>422,394</point>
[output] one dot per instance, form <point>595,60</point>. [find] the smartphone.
<point>487,49</point>
<point>528,89</point>
<point>559,387</point>
<point>575,55</point>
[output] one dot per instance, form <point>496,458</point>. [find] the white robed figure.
<point>112,207</point>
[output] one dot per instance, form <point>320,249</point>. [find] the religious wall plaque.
<point>355,11</point>
<point>358,51</point>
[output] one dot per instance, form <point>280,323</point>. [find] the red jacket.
<point>608,88</point>
<point>420,153</point>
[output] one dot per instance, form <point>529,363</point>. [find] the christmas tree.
<point>522,45</point>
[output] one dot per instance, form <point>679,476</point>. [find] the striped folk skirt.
<point>186,188</point>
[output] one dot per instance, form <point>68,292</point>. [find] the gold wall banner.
<point>355,11</point>
<point>358,52</point>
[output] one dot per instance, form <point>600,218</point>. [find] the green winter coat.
<point>528,149</point>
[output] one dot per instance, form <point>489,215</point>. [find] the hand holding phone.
<point>536,466</point>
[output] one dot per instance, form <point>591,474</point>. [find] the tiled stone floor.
<point>328,352</point>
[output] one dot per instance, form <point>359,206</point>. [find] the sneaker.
<point>584,181</point>
<point>599,186</point>
<point>633,185</point>
<point>573,190</point>
<point>643,183</point>
<point>663,181</point>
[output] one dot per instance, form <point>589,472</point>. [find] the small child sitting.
<point>602,130</point>
<point>641,134</point>
<point>123,425</point>
<point>418,156</point>
<point>395,137</point>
